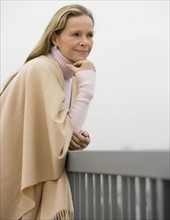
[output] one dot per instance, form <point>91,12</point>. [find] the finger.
<point>85,143</point>
<point>79,144</point>
<point>85,134</point>
<point>81,65</point>
<point>72,68</point>
<point>78,63</point>
<point>74,146</point>
<point>71,148</point>
<point>78,137</point>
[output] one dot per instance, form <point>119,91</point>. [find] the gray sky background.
<point>130,109</point>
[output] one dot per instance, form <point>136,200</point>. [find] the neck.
<point>56,55</point>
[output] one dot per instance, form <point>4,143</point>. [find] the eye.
<point>90,35</point>
<point>76,34</point>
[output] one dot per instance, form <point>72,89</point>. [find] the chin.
<point>80,58</point>
<point>76,60</point>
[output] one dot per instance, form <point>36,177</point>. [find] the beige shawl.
<point>35,135</point>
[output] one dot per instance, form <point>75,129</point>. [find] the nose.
<point>83,41</point>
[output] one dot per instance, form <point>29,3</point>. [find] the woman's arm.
<point>85,74</point>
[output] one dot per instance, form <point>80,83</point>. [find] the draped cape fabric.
<point>36,131</point>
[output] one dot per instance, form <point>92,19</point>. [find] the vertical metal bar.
<point>128,199</point>
<point>88,196</point>
<point>137,198</point>
<point>113,197</point>
<point>101,197</point>
<point>148,199</point>
<point>125,197</point>
<point>131,200</point>
<point>110,196</point>
<point>142,198</point>
<point>159,192</point>
<point>97,181</point>
<point>153,199</point>
<point>76,195</point>
<point>119,198</point>
<point>94,196</point>
<point>81,196</point>
<point>106,196</point>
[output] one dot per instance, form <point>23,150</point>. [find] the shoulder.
<point>43,67</point>
<point>42,63</point>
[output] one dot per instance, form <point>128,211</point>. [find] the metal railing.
<point>124,185</point>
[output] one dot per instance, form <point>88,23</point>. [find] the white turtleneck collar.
<point>56,55</point>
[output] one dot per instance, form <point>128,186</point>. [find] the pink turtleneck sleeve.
<point>79,109</point>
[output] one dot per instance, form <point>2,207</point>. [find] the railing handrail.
<point>142,163</point>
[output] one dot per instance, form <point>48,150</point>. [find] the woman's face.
<point>76,40</point>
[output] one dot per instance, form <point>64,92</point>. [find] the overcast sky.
<point>131,54</point>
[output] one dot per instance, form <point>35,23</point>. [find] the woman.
<point>44,107</point>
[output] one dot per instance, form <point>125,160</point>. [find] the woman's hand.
<point>81,65</point>
<point>79,141</point>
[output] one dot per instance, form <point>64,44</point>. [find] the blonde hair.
<point>56,25</point>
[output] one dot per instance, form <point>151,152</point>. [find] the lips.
<point>82,51</point>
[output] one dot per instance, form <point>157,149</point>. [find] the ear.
<point>54,39</point>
